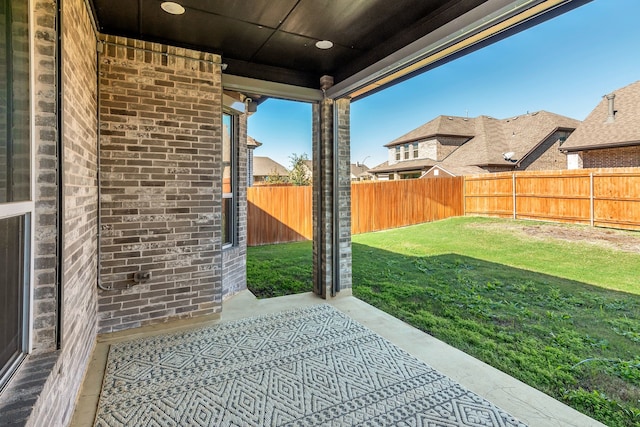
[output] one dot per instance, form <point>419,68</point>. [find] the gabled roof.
<point>440,126</point>
<point>265,166</point>
<point>459,170</point>
<point>487,139</point>
<point>597,132</point>
<point>252,143</point>
<point>403,166</point>
<point>520,135</point>
<point>358,169</point>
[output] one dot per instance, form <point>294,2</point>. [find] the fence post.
<point>515,214</point>
<point>464,196</point>
<point>591,207</point>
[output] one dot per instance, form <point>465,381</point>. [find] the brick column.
<point>331,197</point>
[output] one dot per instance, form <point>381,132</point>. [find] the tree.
<point>300,173</point>
<point>275,178</point>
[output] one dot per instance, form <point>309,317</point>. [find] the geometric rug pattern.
<point>313,366</point>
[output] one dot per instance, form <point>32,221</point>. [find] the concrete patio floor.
<point>527,404</point>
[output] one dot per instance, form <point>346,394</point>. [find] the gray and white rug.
<point>307,367</point>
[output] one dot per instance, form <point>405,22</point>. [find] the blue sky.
<point>564,65</point>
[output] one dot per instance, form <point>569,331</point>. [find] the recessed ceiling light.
<point>172,7</point>
<point>324,44</point>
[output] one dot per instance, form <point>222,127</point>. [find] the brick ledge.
<point>21,394</point>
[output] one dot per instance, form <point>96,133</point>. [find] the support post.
<point>331,197</point>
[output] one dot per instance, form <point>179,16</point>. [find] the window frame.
<point>233,179</point>
<point>415,150</point>
<point>26,209</point>
<point>406,152</point>
<point>398,156</point>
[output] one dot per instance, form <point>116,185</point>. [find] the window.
<point>415,150</point>
<point>229,181</point>
<point>13,295</point>
<point>16,205</point>
<point>398,152</point>
<point>406,151</point>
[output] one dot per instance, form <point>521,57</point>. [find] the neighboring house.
<point>360,172</point>
<point>308,169</point>
<point>610,136</point>
<point>461,145</point>
<point>252,144</point>
<point>265,168</point>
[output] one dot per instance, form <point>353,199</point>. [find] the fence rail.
<point>283,214</point>
<point>597,197</point>
<point>390,204</point>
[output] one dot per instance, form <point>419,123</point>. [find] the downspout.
<point>99,47</point>
<point>60,178</point>
<point>335,217</point>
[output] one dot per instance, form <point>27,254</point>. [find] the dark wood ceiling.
<point>274,40</point>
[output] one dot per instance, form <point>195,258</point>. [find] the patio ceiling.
<point>375,42</point>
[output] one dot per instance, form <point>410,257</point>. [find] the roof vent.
<point>611,117</point>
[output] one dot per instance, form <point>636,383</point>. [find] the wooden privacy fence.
<point>278,215</point>
<point>390,204</point>
<point>283,214</point>
<point>599,197</point>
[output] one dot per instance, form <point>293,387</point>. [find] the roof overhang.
<point>425,137</point>
<point>600,146</point>
<point>268,46</point>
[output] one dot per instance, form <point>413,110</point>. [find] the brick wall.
<point>448,144</point>
<point>612,158</point>
<point>45,167</point>
<point>161,145</point>
<point>547,156</point>
<point>234,259</point>
<point>44,390</point>
<point>344,191</point>
<point>428,149</point>
<point>324,194</point>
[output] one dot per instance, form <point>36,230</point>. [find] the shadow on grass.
<point>576,342</point>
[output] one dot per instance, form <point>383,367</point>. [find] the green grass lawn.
<point>561,316</point>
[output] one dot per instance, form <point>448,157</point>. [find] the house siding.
<point>428,149</point>
<point>161,179</point>
<point>612,157</point>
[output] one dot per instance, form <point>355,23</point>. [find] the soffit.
<point>274,40</point>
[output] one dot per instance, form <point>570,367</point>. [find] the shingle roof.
<point>520,135</point>
<point>441,125</point>
<point>265,166</point>
<point>460,170</point>
<point>358,169</point>
<point>404,165</point>
<point>488,139</point>
<point>595,132</point>
<point>252,143</point>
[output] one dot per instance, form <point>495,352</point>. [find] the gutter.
<point>601,146</point>
<point>434,135</point>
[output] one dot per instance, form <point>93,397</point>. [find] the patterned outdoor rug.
<point>307,367</point>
